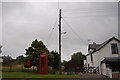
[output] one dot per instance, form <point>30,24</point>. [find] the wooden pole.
<point>60,41</point>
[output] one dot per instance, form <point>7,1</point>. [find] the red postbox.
<point>28,63</point>
<point>43,63</point>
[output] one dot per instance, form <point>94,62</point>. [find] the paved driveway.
<point>92,76</point>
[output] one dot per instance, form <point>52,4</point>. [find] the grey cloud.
<point>24,22</point>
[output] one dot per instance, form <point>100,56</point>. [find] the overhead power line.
<point>86,12</point>
<point>74,31</point>
<point>50,35</point>
<point>92,15</point>
<point>91,9</point>
<point>58,5</point>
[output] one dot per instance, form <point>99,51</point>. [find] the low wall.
<point>116,75</point>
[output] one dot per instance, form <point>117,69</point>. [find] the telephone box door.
<point>43,64</point>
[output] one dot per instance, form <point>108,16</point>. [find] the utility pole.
<point>60,41</point>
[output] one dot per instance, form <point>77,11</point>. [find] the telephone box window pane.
<point>114,48</point>
<point>43,64</point>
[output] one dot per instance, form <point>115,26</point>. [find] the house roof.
<point>96,47</point>
<point>93,46</point>
<point>72,65</point>
<point>72,62</point>
<point>111,59</point>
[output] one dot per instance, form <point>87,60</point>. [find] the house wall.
<point>1,60</point>
<point>104,52</point>
<point>85,63</point>
<point>103,68</point>
<point>0,48</point>
<point>119,20</point>
<point>98,56</point>
<point>88,60</point>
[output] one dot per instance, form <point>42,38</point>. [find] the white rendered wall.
<point>89,61</point>
<point>98,56</point>
<point>101,54</point>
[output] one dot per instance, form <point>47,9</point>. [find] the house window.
<point>114,48</point>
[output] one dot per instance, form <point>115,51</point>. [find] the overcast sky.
<point>24,22</point>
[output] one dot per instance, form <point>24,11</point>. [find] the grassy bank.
<point>35,75</point>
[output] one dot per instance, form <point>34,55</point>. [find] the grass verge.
<point>35,75</point>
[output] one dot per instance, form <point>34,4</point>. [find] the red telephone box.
<point>43,63</point>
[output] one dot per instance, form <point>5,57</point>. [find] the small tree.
<point>64,62</point>
<point>20,59</point>
<point>33,52</point>
<point>54,61</point>
<point>78,56</point>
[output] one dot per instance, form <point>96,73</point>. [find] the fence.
<point>92,70</point>
<point>16,67</point>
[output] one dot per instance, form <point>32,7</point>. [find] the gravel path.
<point>92,76</point>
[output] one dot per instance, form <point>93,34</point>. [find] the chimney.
<point>94,43</point>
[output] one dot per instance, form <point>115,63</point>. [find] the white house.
<point>1,60</point>
<point>0,48</point>
<point>105,57</point>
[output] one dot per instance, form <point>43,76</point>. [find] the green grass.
<point>35,75</point>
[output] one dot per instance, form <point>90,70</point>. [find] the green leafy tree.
<point>54,60</point>
<point>78,56</point>
<point>64,62</point>
<point>20,59</point>
<point>33,52</point>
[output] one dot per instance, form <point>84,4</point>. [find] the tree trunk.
<point>38,69</point>
<point>22,67</point>
<point>10,67</point>
<point>33,68</point>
